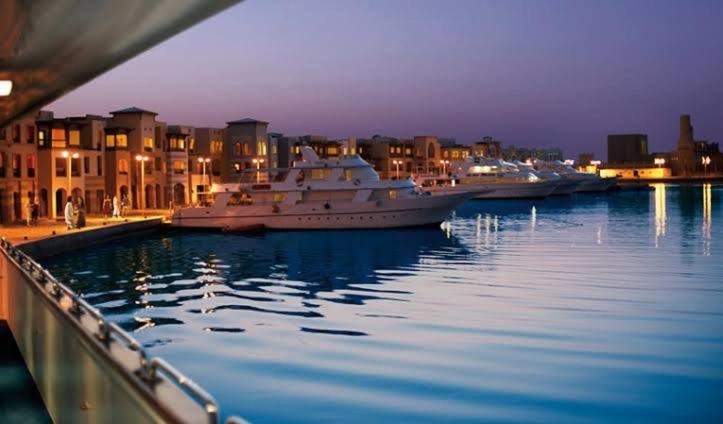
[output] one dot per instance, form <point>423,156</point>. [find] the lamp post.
<point>69,169</point>
<point>258,163</point>
<point>444,166</point>
<point>203,162</point>
<point>659,161</point>
<point>142,191</point>
<point>397,163</point>
<point>706,162</point>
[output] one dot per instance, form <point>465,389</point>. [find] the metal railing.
<point>107,332</point>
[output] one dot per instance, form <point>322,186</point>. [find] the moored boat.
<point>315,193</point>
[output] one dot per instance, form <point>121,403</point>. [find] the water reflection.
<point>548,310</point>
<point>660,213</point>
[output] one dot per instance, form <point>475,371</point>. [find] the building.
<point>18,168</point>
<point>246,147</point>
<point>522,154</point>
<point>488,147</point>
<point>628,148</point>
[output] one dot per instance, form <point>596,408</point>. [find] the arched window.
<point>430,151</point>
<point>123,166</point>
<point>237,149</point>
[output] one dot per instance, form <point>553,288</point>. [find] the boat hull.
<point>565,187</point>
<point>595,185</point>
<point>519,190</point>
<point>405,212</point>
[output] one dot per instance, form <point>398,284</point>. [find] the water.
<point>590,308</point>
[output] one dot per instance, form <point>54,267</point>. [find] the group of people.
<point>32,211</point>
<point>75,210</point>
<point>75,213</point>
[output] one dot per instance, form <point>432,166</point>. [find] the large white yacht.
<point>564,185</point>
<point>495,179</point>
<point>585,182</point>
<point>318,193</point>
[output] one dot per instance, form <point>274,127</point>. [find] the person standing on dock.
<point>107,207</point>
<point>116,207</point>
<point>29,209</point>
<point>69,213</point>
<point>81,213</point>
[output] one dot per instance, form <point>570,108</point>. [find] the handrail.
<point>109,331</point>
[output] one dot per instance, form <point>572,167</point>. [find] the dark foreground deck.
<point>20,401</point>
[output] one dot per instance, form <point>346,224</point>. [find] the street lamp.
<point>659,161</point>
<point>68,171</point>
<point>444,166</point>
<point>258,163</point>
<point>142,191</point>
<point>706,162</point>
<point>397,163</point>
<point>203,162</point>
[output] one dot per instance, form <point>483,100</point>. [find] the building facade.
<point>628,148</point>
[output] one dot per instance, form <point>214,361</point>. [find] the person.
<point>35,212</point>
<point>107,207</point>
<point>29,209</point>
<point>81,213</point>
<point>69,213</point>
<point>116,207</point>
<point>124,206</point>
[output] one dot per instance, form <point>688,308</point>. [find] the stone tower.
<point>685,154</point>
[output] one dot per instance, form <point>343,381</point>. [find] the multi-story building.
<point>488,147</point>
<point>18,169</point>
<point>628,148</point>
<point>246,147</point>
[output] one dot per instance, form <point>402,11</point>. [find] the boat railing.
<point>149,371</point>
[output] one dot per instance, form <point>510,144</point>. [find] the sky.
<point>530,73</point>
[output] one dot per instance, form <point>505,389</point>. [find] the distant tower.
<point>686,147</point>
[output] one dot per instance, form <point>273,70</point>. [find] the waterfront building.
<point>403,157</point>
<point>18,168</point>
<point>584,159</point>
<point>452,151</point>
<point>488,147</point>
<point>522,154</point>
<point>628,148</point>
<point>246,147</point>
<point>205,158</point>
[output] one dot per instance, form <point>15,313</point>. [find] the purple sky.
<point>531,73</point>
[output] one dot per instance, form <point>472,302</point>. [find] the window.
<point>237,167</point>
<point>320,173</point>
<point>240,199</point>
<point>2,165</point>
<point>121,140</point>
<point>16,166</point>
<point>247,149</point>
<point>75,167</point>
<point>392,194</point>
<point>16,133</point>
<point>99,139</point>
<point>110,141</point>
<point>148,143</point>
<point>237,149</point>
<point>274,149</point>
<point>191,144</point>
<point>261,148</point>
<point>332,150</point>
<point>31,134</point>
<point>86,165</point>
<point>279,197</point>
<point>178,167</point>
<point>74,139</point>
<point>455,154</point>
<point>216,146</point>
<point>30,162</point>
<point>348,174</point>
<point>123,166</point>
<point>445,154</point>
<point>99,165</point>
<point>42,138</point>
<point>158,164</point>
<point>60,167</point>
<point>297,149</point>
<point>57,136</point>
<point>408,151</point>
<point>147,167</point>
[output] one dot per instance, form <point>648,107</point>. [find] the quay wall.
<point>55,244</point>
<point>87,369</point>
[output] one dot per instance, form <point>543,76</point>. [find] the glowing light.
<point>569,162</point>
<point>6,86</point>
<point>65,154</point>
<point>595,162</point>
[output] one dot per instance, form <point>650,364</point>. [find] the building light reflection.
<point>707,223</point>
<point>660,214</point>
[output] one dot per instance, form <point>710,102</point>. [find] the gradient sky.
<point>531,73</point>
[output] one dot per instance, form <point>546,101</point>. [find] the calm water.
<point>590,308</point>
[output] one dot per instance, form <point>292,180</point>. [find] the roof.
<point>247,121</point>
<point>132,109</point>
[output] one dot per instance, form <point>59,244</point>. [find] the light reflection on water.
<point>591,308</point>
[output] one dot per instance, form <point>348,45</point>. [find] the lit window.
<point>261,148</point>
<point>122,166</point>
<point>148,143</point>
<point>392,194</point>
<point>178,167</point>
<point>110,140</point>
<point>332,150</point>
<point>121,140</point>
<point>74,138</point>
<point>191,144</point>
<point>58,134</point>
<point>274,149</point>
<point>320,173</point>
<point>237,149</point>
<point>279,197</point>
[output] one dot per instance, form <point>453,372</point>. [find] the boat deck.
<point>20,401</point>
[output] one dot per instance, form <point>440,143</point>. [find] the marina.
<point>367,326</point>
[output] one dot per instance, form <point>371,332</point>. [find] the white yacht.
<point>584,181</point>
<point>564,185</point>
<point>318,193</point>
<point>492,179</point>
